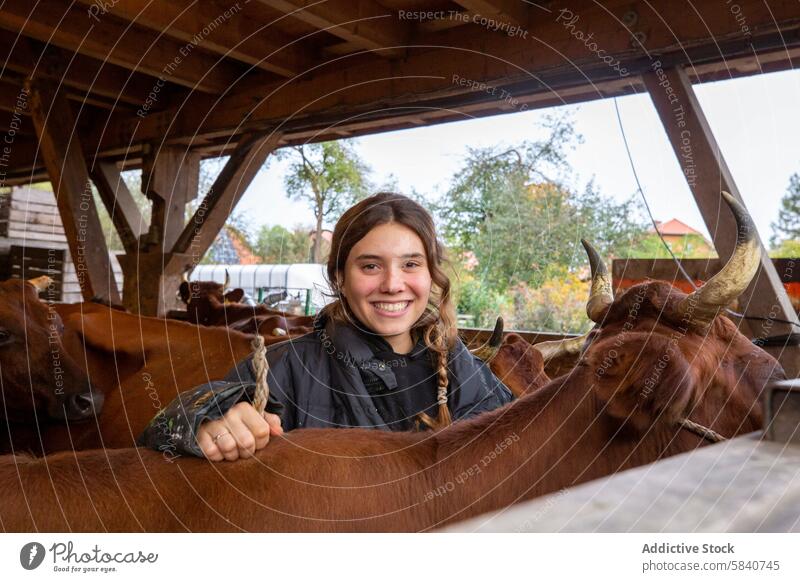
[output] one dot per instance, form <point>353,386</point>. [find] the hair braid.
<point>435,335</point>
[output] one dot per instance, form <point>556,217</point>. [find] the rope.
<point>701,430</point>
<point>260,366</point>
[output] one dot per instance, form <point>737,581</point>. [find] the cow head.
<point>658,355</point>
<point>205,300</point>
<point>38,376</point>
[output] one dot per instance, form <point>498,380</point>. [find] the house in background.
<point>231,248</point>
<point>684,240</point>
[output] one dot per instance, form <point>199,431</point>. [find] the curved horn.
<point>227,279</point>
<point>602,293</point>
<point>41,283</point>
<point>185,276</point>
<point>703,305</point>
<point>566,347</point>
<point>489,350</point>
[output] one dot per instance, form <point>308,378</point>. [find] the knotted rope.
<point>701,430</point>
<point>260,366</point>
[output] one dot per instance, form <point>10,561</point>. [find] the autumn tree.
<point>508,207</point>
<point>330,177</point>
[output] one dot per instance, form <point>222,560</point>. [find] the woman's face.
<point>387,282</point>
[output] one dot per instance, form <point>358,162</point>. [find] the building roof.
<point>675,227</point>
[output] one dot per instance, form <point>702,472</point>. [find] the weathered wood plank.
<point>65,163</point>
<point>57,23</point>
<point>231,33</point>
<point>170,177</point>
<point>120,204</point>
<point>741,485</point>
<point>242,166</point>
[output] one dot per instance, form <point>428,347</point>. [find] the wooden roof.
<point>201,73</point>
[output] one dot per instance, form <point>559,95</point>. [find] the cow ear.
<point>234,296</point>
<point>642,379</point>
<point>107,331</point>
<point>184,291</point>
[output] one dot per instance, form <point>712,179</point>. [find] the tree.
<point>277,245</point>
<point>508,208</point>
<point>690,246</point>
<point>330,176</point>
<point>787,227</point>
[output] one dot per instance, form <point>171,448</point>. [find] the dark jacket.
<point>318,380</point>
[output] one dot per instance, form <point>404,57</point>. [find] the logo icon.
<point>31,555</point>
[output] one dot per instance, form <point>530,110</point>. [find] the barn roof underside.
<point>201,74</point>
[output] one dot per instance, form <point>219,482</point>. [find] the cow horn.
<point>185,276</point>
<point>489,350</point>
<point>566,347</point>
<point>227,280</point>
<point>703,305</point>
<point>41,283</point>
<point>602,293</point>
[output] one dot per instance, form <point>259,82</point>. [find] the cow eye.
<point>5,337</point>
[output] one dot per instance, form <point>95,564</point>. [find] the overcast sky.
<point>756,121</point>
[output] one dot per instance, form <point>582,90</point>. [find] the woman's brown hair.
<point>437,324</point>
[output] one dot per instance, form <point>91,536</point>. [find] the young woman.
<point>384,354</point>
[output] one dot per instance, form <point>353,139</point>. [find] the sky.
<point>756,121</point>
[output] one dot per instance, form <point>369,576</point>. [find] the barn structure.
<point>89,88</point>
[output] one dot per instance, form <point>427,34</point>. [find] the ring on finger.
<point>219,436</point>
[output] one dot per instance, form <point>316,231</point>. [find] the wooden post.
<point>66,166</point>
<point>169,179</point>
<point>120,204</point>
<point>244,163</point>
<point>707,174</point>
<point>153,274</point>
<point>151,281</point>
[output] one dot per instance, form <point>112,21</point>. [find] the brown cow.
<point>660,364</point>
<point>207,303</point>
<point>141,363</point>
<point>40,381</point>
<point>138,363</point>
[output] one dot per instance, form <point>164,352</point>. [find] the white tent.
<point>305,283</point>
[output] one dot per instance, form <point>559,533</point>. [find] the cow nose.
<point>83,405</point>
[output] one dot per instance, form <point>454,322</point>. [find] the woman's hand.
<point>238,434</point>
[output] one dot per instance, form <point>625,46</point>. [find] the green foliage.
<point>787,227</point>
<point>557,305</point>
<point>278,245</point>
<point>519,223</point>
<point>330,177</point>
<point>692,246</point>
<point>788,249</point>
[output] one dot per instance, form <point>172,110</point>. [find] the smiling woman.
<point>384,354</point>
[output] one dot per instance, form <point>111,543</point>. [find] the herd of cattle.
<point>659,372</point>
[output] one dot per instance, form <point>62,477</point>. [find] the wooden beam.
<point>242,166</point>
<point>13,99</point>
<point>365,23</point>
<point>513,12</point>
<point>65,163</point>
<point>85,74</point>
<point>57,23</point>
<point>120,204</point>
<point>151,281</point>
<point>554,60</point>
<point>231,33</point>
<point>169,179</point>
<point>706,172</point>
